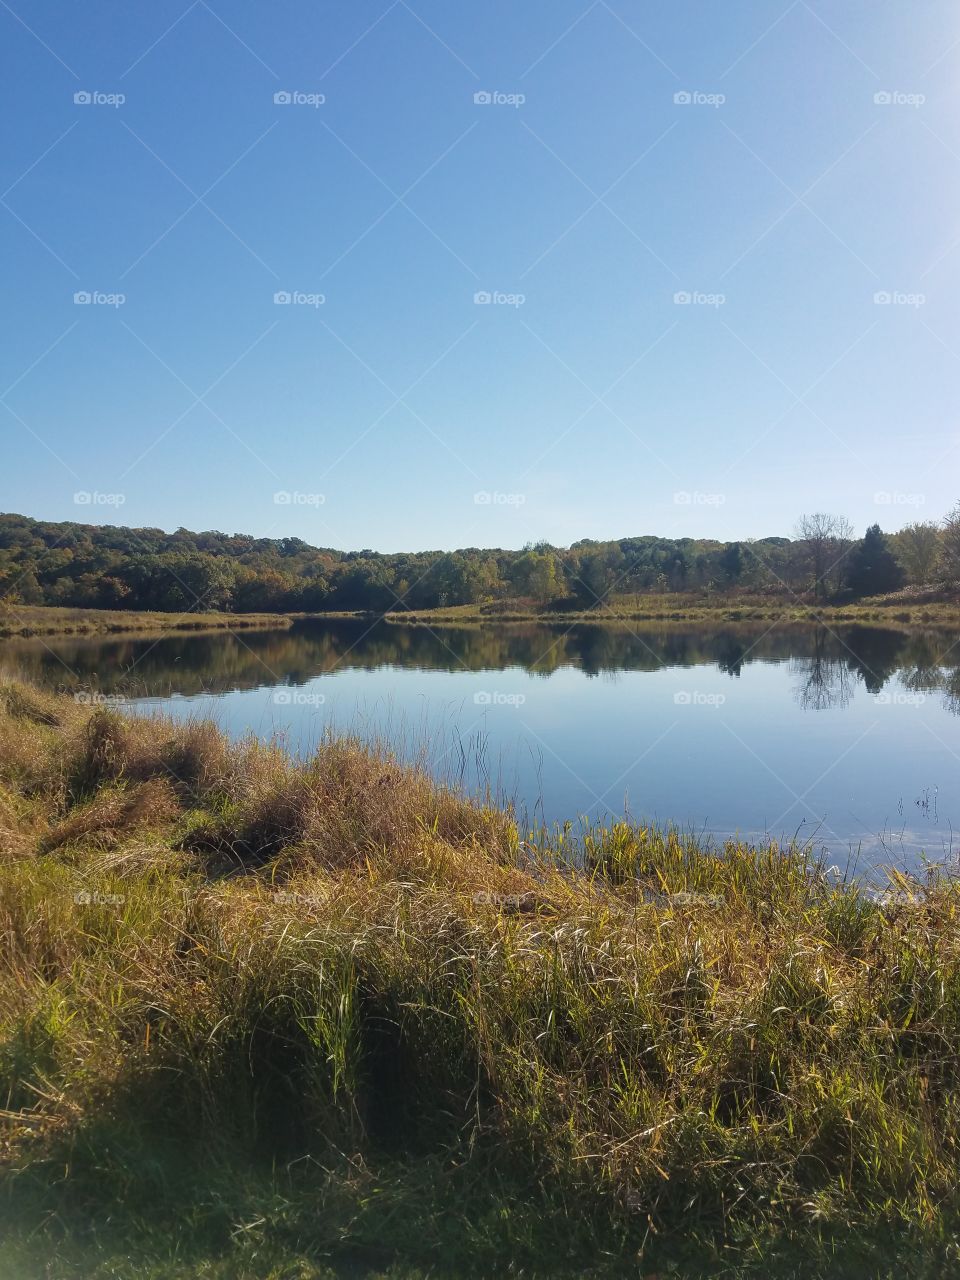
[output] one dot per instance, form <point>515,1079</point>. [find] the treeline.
<point>113,567</point>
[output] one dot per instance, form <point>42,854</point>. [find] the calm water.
<point>849,737</point>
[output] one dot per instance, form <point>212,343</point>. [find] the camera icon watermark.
<point>897,98</point>
<point>899,698</point>
<point>894,498</point>
<point>509,901</point>
<point>297,698</point>
<point>296,298</point>
<point>94,98</point>
<point>294,498</point>
<point>297,98</point>
<point>694,498</point>
<point>90,698</point>
<point>492,698</point>
<point>93,498</point>
<point>497,298</point>
<point>94,298</point>
<point>696,98</point>
<point>897,298</point>
<point>494,98</point>
<point>691,698</point>
<point>88,898</point>
<point>494,498</point>
<point>683,298</point>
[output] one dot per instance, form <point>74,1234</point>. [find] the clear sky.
<point>810,163</point>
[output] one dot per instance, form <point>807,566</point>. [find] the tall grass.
<point>265,1017</point>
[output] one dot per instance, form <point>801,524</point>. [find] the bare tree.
<point>949,561</point>
<point>827,540</point>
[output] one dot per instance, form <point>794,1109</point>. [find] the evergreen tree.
<point>873,568</point>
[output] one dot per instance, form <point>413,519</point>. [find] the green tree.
<point>731,562</point>
<point>537,574</point>
<point>872,567</point>
<point>917,546</point>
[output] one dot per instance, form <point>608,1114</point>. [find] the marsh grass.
<point>266,1017</point>
<point>48,620</point>
<point>902,608</point>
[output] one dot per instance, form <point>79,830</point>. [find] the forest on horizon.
<point>115,567</point>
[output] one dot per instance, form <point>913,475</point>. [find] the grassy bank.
<point>267,1019</point>
<point>902,607</point>
<point>906,608</point>
<point>47,620</point>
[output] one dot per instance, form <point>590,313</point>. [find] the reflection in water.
<point>828,664</point>
<point>846,737</point>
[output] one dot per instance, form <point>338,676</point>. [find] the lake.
<point>848,736</point>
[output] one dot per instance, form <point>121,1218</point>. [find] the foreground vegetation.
<point>268,1018</point>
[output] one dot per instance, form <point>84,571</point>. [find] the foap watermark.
<point>93,898</point>
<point>691,698</point>
<point>694,498</point>
<point>495,98</point>
<point>893,498</point>
<point>897,98</point>
<point>294,498</point>
<point>685,299</point>
<point>88,498</point>
<point>508,901</point>
<point>94,298</point>
<point>297,98</point>
<point>95,98</point>
<point>310,901</point>
<point>297,698</point>
<point>492,698</point>
<point>497,298</point>
<point>899,698</point>
<point>494,498</point>
<point>897,298</point>
<point>697,98</point>
<point>90,698</point>
<point>297,298</point>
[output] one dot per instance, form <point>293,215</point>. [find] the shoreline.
<point>46,620</point>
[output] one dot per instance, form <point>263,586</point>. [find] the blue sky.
<point>782,166</point>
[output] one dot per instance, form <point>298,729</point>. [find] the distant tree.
<point>873,568</point>
<point>917,547</point>
<point>537,574</point>
<point>826,539</point>
<point>26,589</point>
<point>600,572</point>
<point>948,564</point>
<point>731,562</point>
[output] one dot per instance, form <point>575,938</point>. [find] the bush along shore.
<point>272,1018</point>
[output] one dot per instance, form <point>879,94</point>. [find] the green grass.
<point>274,1019</point>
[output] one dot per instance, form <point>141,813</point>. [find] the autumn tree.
<point>917,547</point>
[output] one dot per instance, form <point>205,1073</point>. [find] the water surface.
<point>847,736</point>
